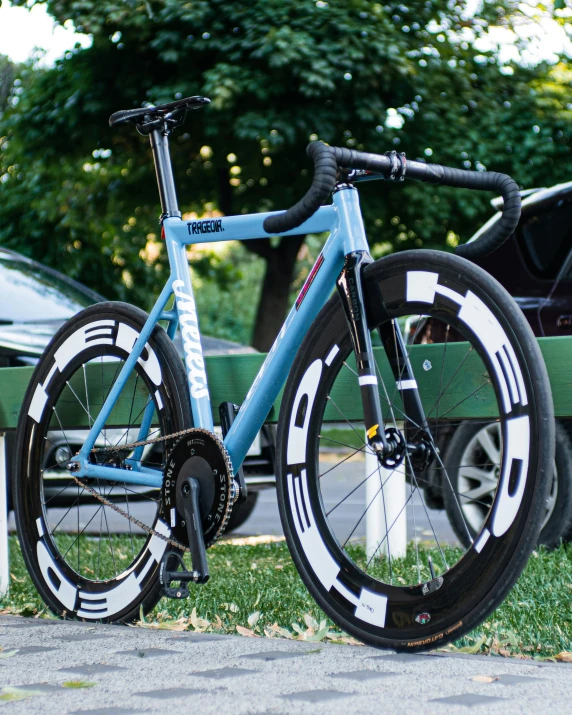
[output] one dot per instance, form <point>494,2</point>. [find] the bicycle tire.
<point>108,587</point>
<point>428,610</point>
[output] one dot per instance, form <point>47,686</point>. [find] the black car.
<point>34,302</point>
<point>535,266</point>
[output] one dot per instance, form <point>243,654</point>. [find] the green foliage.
<point>279,72</point>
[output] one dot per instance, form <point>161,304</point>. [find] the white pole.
<point>394,495</point>
<point>4,558</point>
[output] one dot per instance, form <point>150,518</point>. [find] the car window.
<point>547,240</point>
<point>30,293</point>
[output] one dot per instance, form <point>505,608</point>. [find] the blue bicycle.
<point>113,410</point>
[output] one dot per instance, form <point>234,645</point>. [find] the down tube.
<point>276,367</point>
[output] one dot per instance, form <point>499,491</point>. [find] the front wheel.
<point>479,361</point>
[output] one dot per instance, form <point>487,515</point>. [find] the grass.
<point>255,587</point>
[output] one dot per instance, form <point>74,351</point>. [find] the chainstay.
<point>132,519</point>
<point>143,442</point>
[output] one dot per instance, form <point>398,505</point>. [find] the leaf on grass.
<point>485,678</point>
<point>218,623</point>
<point>299,631</point>
<point>564,656</point>
<point>473,648</point>
<point>504,652</point>
<point>320,635</point>
<point>15,578</point>
<point>253,619</point>
<point>246,632</point>
<point>199,624</point>
<point>77,684</point>
<point>275,631</point>
<point>311,622</point>
<point>257,600</point>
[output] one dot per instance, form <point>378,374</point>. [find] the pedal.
<point>227,412</point>
<point>169,574</point>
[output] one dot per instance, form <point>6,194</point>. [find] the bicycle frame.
<point>344,222</point>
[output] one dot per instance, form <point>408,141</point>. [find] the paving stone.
<point>91,668</point>
<point>148,652</point>
<point>28,649</point>
<point>82,637</point>
<point>317,696</point>
<point>362,674</point>
<point>173,693</point>
<point>509,679</point>
<point>105,711</point>
<point>224,672</point>
<point>273,655</point>
<point>196,637</point>
<point>467,699</point>
<point>40,688</point>
<point>402,658</point>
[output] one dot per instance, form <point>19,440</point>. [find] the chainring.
<point>200,454</point>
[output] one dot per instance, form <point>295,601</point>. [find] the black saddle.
<point>147,118</point>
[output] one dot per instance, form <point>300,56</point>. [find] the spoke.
<point>449,383</point>
<point>347,496</point>
<point>342,444</point>
<point>413,476</point>
<point>339,463</point>
<point>488,382</point>
<point>367,508</point>
<point>345,418</point>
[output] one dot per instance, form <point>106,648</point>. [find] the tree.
<point>279,73</point>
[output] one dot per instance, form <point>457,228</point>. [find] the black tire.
<point>241,512</point>
<point>467,447</point>
<point>113,584</point>
<point>387,602</point>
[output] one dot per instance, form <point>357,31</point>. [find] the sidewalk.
<point>139,670</point>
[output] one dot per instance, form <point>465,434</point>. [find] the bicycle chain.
<point>119,510</point>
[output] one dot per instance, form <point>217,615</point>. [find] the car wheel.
<point>241,512</point>
<point>472,462</point>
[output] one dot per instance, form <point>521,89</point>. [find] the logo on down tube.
<point>191,341</point>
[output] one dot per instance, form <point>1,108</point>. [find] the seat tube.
<point>159,139</point>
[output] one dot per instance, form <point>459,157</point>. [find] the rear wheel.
<point>425,589</point>
<point>87,560</point>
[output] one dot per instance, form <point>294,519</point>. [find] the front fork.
<point>351,290</point>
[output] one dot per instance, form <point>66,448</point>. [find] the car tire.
<point>241,512</point>
<point>461,450</point>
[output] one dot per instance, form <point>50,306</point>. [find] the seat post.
<point>159,139</point>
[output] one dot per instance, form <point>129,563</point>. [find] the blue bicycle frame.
<point>344,222</point>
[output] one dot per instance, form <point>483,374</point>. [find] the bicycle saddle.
<point>145,115</point>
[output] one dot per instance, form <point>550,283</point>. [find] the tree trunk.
<point>275,295</point>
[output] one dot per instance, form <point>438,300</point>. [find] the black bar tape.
<point>328,159</point>
<point>481,181</point>
<point>323,183</point>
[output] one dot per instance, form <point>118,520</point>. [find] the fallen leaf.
<point>77,684</point>
<point>320,635</point>
<point>279,567</point>
<point>253,619</point>
<point>199,624</point>
<point>8,653</point>
<point>485,678</point>
<point>233,608</point>
<point>246,632</point>
<point>11,694</point>
<point>15,578</point>
<point>564,656</point>
<point>504,652</point>
<point>257,600</point>
<point>253,566</point>
<point>218,623</point>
